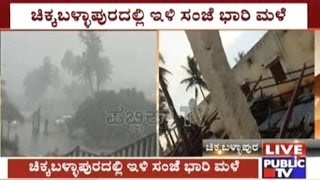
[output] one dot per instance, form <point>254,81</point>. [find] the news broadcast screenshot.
<point>151,89</point>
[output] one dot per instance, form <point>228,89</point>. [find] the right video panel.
<point>235,85</point>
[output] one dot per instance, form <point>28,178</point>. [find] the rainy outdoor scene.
<point>78,94</point>
<point>234,85</point>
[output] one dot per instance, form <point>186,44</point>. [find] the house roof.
<point>302,117</point>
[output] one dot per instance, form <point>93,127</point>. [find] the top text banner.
<point>119,16</point>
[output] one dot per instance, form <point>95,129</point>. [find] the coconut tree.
<point>163,124</point>
<point>163,72</point>
<point>239,56</point>
<point>224,90</point>
<point>164,89</point>
<point>163,108</point>
<point>195,78</point>
<point>9,110</point>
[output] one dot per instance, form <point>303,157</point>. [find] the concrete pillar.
<point>225,92</point>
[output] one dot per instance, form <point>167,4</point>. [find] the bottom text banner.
<point>133,168</point>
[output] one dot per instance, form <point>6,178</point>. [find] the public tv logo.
<point>284,160</point>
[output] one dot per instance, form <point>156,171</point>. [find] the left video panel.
<point>79,94</point>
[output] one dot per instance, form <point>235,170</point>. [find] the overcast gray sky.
<point>175,48</point>
<point>132,54</point>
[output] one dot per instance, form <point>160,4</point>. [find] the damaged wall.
<point>291,48</point>
<point>294,48</point>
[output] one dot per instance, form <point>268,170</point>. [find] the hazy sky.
<point>132,54</point>
<point>175,48</point>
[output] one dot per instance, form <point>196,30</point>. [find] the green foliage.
<point>165,102</point>
<point>76,93</point>
<point>163,71</point>
<point>92,113</point>
<point>89,67</point>
<point>195,77</point>
<point>164,113</point>
<point>240,55</point>
<point>163,106</point>
<point>40,79</point>
<point>9,111</point>
<point>9,148</point>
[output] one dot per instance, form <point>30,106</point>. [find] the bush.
<point>92,114</point>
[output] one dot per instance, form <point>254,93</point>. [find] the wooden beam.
<point>288,73</point>
<point>287,81</point>
<point>253,89</point>
<point>285,93</point>
<point>287,117</point>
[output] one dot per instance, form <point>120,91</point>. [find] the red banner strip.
<point>133,168</point>
<point>313,6</point>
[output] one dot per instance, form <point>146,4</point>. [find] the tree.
<point>76,93</point>
<point>195,78</point>
<point>89,67</point>
<point>9,111</point>
<point>230,102</point>
<point>95,116</point>
<point>239,56</point>
<point>179,121</point>
<point>163,124</point>
<point>163,71</point>
<point>40,79</point>
<point>163,108</point>
<point>9,148</point>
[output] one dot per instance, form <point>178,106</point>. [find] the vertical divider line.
<point>157,92</point>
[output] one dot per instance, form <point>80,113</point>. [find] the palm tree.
<point>163,72</point>
<point>163,124</point>
<point>9,111</point>
<point>164,89</point>
<point>164,112</point>
<point>239,56</point>
<point>231,103</point>
<point>195,77</point>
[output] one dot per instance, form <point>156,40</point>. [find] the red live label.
<point>283,149</point>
